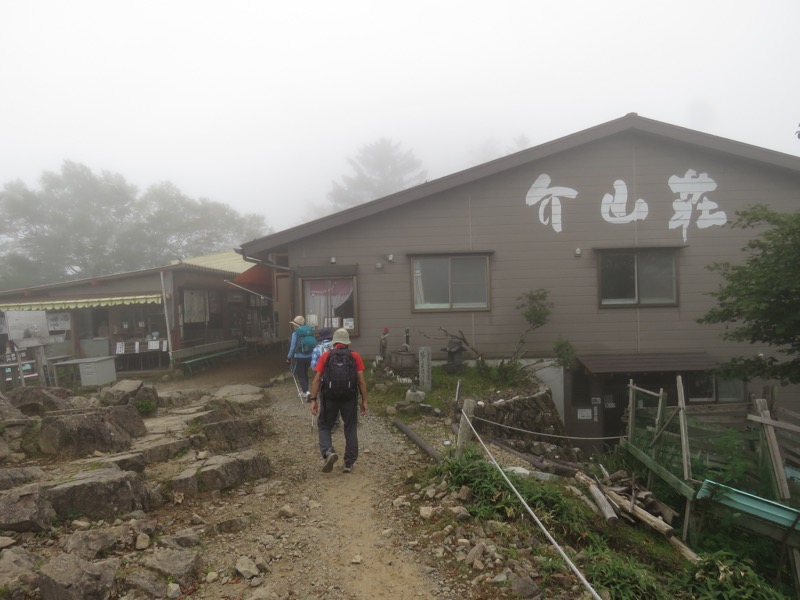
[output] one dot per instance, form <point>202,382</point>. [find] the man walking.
<point>339,377</point>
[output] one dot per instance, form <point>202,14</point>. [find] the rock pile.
<point>87,472</point>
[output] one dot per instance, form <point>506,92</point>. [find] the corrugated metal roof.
<point>647,362</point>
<point>67,303</point>
<point>222,261</point>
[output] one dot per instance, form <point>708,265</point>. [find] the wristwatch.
<point>313,398</point>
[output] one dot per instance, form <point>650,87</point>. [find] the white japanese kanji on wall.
<point>691,205</point>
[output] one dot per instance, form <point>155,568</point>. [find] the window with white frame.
<point>638,277</point>
<point>458,282</point>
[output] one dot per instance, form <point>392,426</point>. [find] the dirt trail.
<point>343,540</point>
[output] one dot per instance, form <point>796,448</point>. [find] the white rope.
<point>541,526</point>
<point>552,435</point>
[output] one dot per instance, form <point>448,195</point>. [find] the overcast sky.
<point>258,104</point>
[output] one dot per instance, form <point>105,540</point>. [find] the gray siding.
<point>491,215</point>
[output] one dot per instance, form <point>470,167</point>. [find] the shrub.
<point>145,407</point>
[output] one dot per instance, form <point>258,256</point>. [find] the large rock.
<point>69,577</point>
<point>89,544</point>
<point>233,434</point>
<point>176,398</point>
<point>77,434</point>
<point>121,392</point>
<point>183,566</point>
<point>18,572</point>
<point>8,410</point>
<point>102,494</point>
<point>26,508</point>
<point>221,473</point>
<point>36,401</point>
<point>16,476</point>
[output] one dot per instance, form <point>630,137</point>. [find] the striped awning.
<point>68,303</point>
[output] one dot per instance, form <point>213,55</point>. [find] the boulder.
<point>102,494</point>
<point>77,434</point>
<point>183,566</point>
<point>26,508</point>
<point>68,577</point>
<point>18,572</point>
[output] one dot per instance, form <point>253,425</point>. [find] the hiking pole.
<point>297,385</point>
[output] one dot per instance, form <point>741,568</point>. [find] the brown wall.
<point>492,215</point>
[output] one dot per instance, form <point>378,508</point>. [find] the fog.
<point>259,105</point>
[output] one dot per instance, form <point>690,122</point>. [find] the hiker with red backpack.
<point>339,378</point>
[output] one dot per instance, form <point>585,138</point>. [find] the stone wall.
<point>519,417</point>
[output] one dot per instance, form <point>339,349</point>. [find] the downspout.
<point>258,261</point>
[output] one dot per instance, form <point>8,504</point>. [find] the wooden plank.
<point>773,423</point>
<point>687,466</point>
<point>785,412</point>
<point>680,486</point>
<point>774,452</point>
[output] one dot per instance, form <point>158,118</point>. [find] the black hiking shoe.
<point>330,460</point>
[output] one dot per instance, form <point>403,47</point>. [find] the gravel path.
<point>331,535</point>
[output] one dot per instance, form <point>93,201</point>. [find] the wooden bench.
<point>205,354</point>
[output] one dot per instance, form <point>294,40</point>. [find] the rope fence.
<point>552,435</point>
<point>536,520</point>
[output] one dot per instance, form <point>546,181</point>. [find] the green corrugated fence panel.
<point>767,510</point>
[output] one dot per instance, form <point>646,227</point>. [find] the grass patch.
<point>620,560</point>
<point>384,390</point>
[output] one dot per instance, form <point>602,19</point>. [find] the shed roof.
<point>222,261</point>
<point>647,362</point>
<point>277,242</point>
<point>231,265</point>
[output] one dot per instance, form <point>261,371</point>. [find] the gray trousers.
<point>329,412</point>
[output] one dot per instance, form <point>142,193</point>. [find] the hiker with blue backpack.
<point>300,350</point>
<point>325,343</point>
<point>338,382</point>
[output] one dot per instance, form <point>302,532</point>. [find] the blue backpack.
<point>305,339</point>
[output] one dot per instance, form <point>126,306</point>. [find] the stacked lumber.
<point>614,496</point>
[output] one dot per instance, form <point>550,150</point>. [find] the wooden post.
<point>631,409</point>
<point>659,419</point>
<point>20,378</point>
<point>779,476</point>
<point>685,456</point>
<point>464,429</point>
<point>40,362</point>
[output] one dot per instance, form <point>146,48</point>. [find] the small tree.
<point>759,301</point>
<point>536,308</point>
<point>381,168</point>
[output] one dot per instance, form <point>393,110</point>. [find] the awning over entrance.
<point>647,363</point>
<point>64,304</point>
